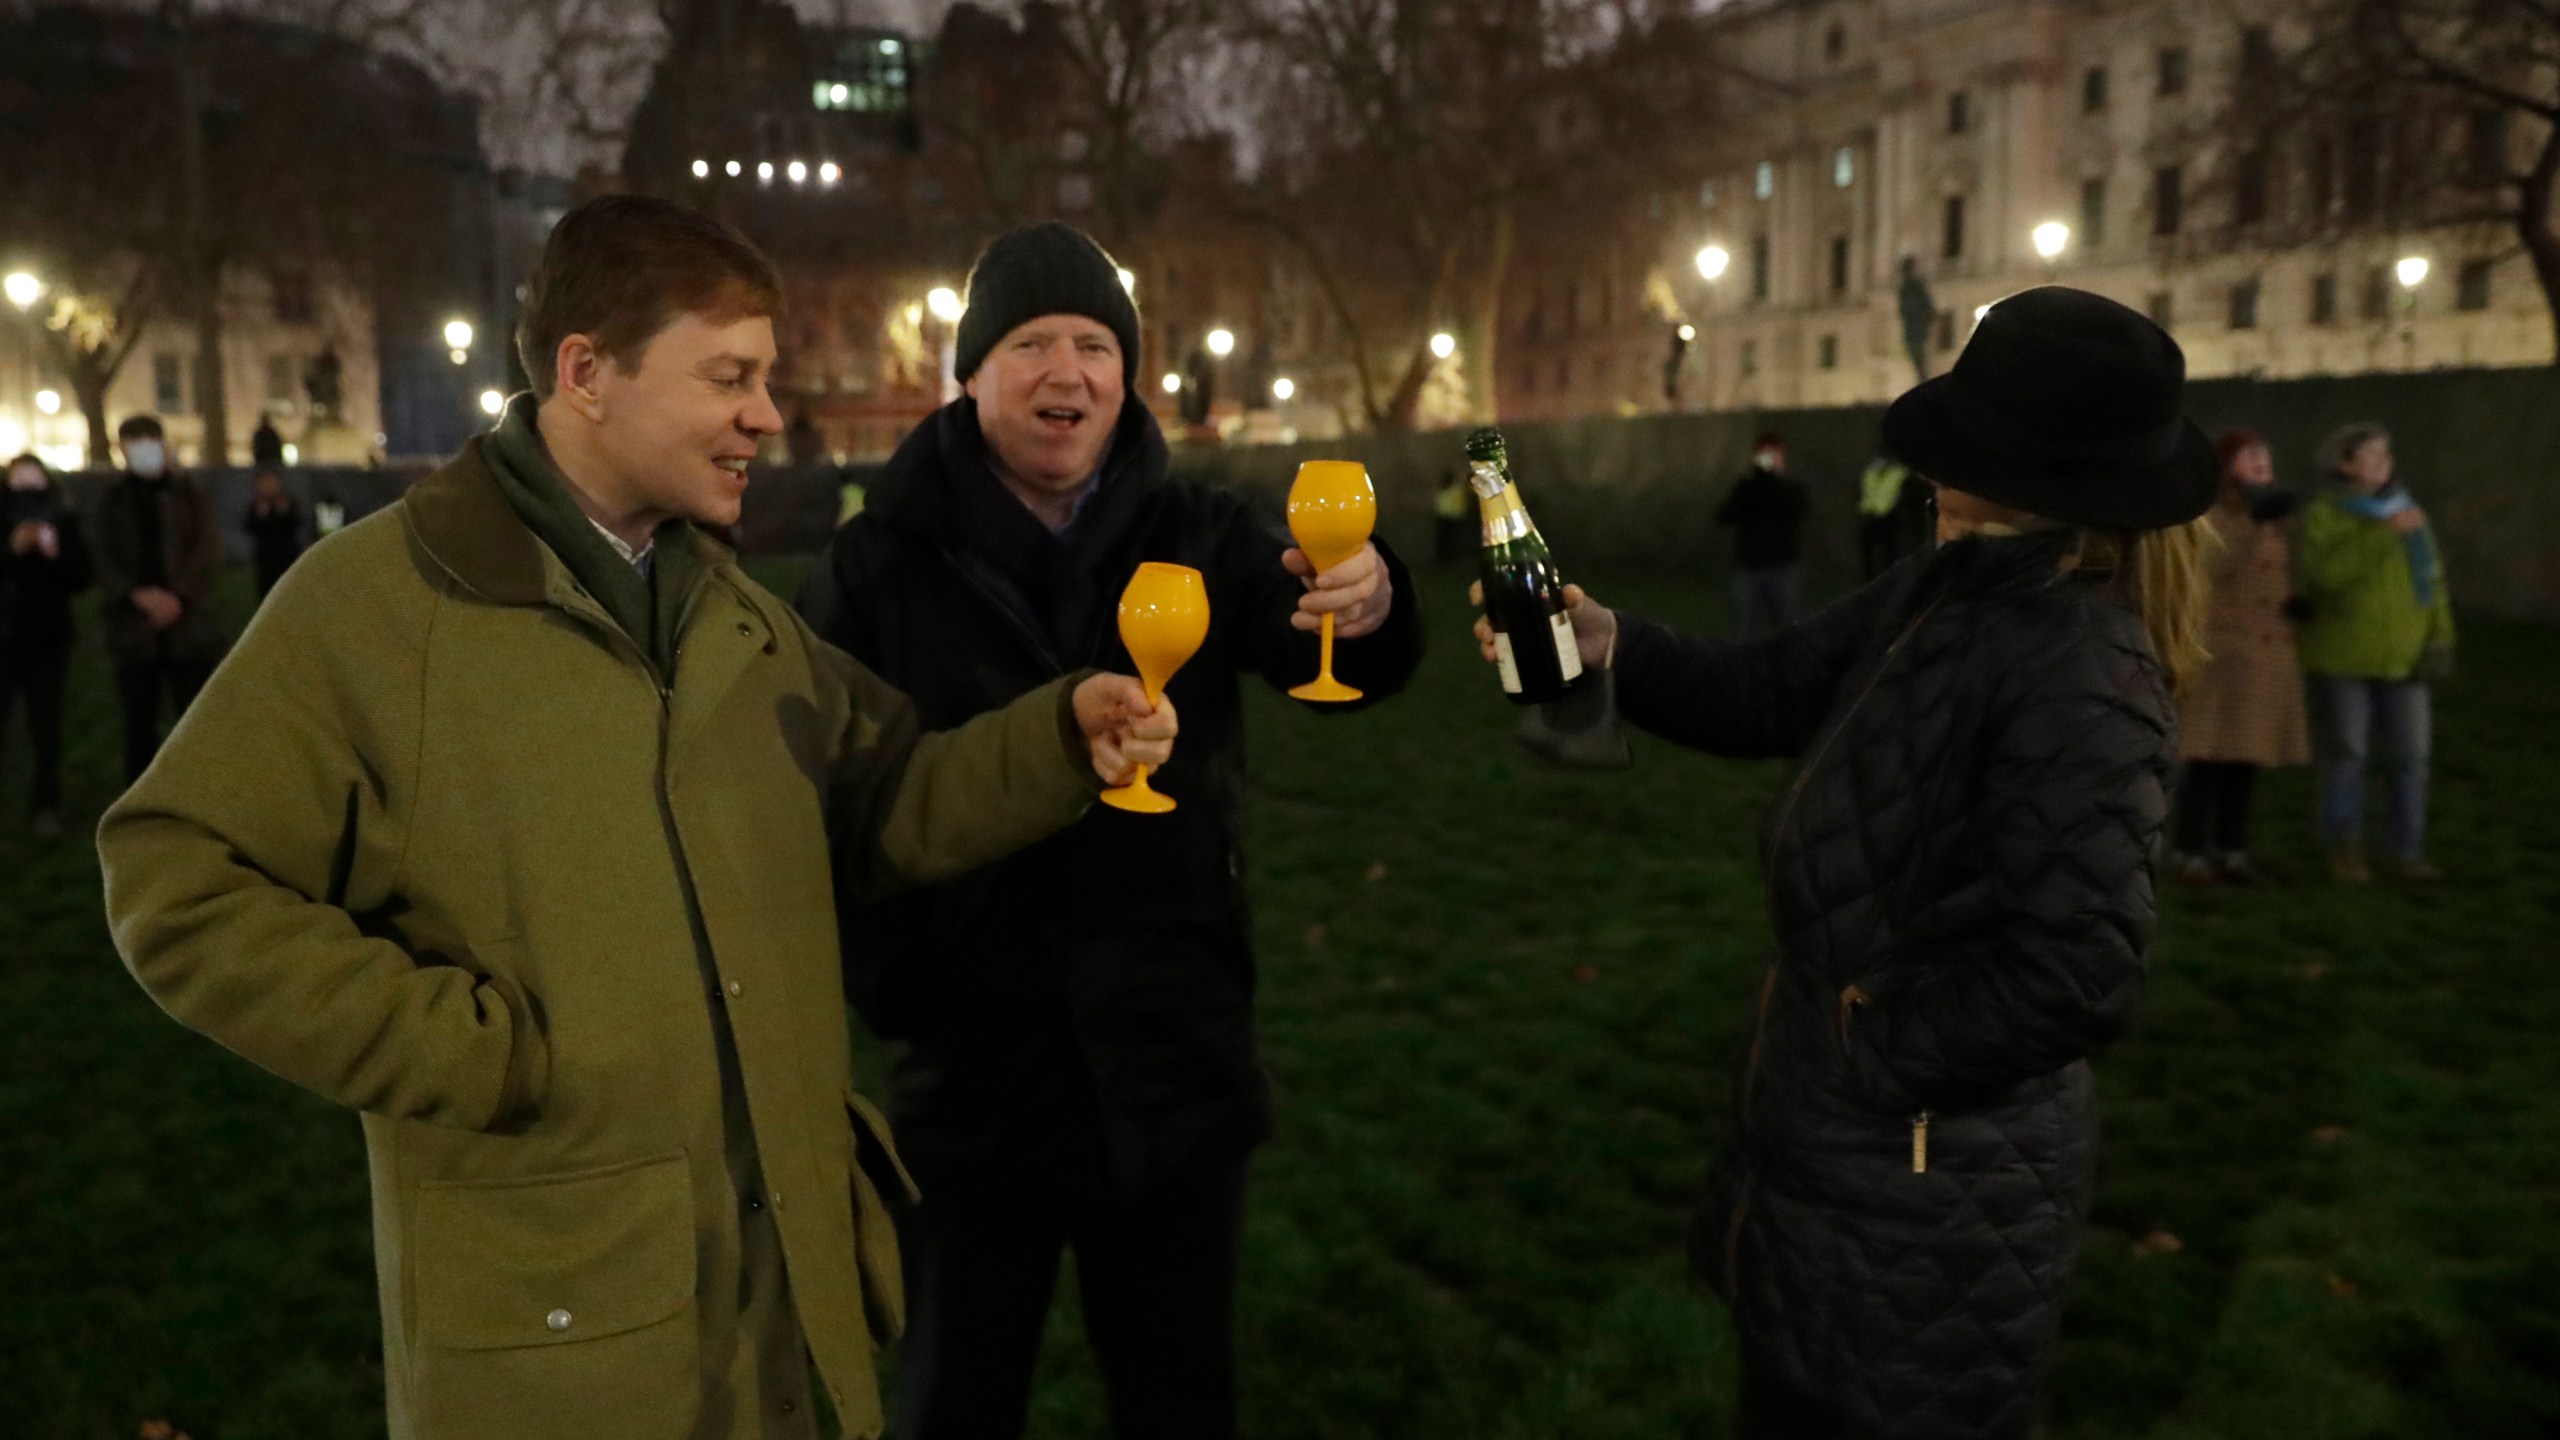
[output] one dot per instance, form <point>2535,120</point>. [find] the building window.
<point>1600,371</point>
<point>2093,90</point>
<point>2471,286</point>
<point>1608,301</point>
<point>1572,306</point>
<point>1764,180</point>
<point>2363,156</point>
<point>2377,293</point>
<point>867,74</point>
<point>1959,112</point>
<point>1750,357</point>
<point>1654,205</point>
<point>2093,213</point>
<point>1074,145</point>
<point>2168,200</point>
<point>1827,353</point>
<point>169,384</point>
<point>1835,41</point>
<point>2244,305</point>
<point>1844,167</point>
<point>1839,265</point>
<point>1946,336</point>
<point>2321,183</point>
<point>293,296</point>
<point>2257,55</point>
<point>1760,267</point>
<point>1951,240</point>
<point>1564,372</point>
<point>2173,69</point>
<point>2162,309</point>
<point>1528,379</point>
<point>282,373</point>
<point>2249,188</point>
<point>2324,299</point>
<point>1075,192</point>
<point>1706,194</point>
<point>2488,147</point>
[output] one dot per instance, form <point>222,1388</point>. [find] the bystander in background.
<point>1766,510</point>
<point>2378,631</point>
<point>42,565</point>
<point>155,547</point>
<point>2244,712</point>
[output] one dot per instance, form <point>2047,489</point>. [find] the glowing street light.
<point>1283,388</point>
<point>49,402</point>
<point>839,93</point>
<point>701,169</point>
<point>799,172</point>
<point>1444,345</point>
<point>829,173</point>
<point>945,303</point>
<point>492,403</point>
<point>1688,333</point>
<point>2050,238</point>
<point>733,168</point>
<point>457,334</point>
<point>2412,271</point>
<point>1172,383</point>
<point>764,171</point>
<point>22,288</point>
<point>1222,342</point>
<point>1713,261</point>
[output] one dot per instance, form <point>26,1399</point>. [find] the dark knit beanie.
<point>1044,269</point>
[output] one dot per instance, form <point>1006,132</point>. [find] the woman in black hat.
<point>1958,877</point>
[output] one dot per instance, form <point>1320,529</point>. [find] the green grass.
<point>1469,1222</point>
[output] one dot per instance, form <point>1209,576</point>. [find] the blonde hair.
<point>2162,575</point>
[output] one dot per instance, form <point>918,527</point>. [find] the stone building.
<point>1847,135</point>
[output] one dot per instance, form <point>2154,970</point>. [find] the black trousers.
<point>2213,807</point>
<point>1157,1277</point>
<point>36,674</point>
<point>142,685</point>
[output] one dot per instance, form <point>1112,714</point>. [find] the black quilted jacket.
<point>1958,880</point>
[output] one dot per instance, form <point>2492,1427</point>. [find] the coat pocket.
<point>875,1233</point>
<point>540,1300</point>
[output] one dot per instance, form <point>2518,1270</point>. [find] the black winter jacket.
<point>1082,1010</point>
<point>36,589</point>
<point>1959,883</point>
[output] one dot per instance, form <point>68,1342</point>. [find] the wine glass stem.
<point>1326,647</point>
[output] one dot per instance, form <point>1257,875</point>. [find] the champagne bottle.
<point>1523,590</point>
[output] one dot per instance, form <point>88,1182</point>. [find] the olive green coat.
<point>435,844</point>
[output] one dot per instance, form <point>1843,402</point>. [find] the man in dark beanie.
<point>1081,1068</point>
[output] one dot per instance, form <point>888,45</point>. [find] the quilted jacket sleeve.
<point>1749,700</point>
<point>2074,790</point>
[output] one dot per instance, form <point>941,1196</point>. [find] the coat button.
<point>789,1407</point>
<point>749,631</point>
<point>736,989</point>
<point>558,1320</point>
<point>776,1197</point>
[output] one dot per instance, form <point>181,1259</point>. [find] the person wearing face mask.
<point>1765,510</point>
<point>156,547</point>
<point>1081,1070</point>
<point>42,565</point>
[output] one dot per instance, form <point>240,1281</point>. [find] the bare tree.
<point>1123,52</point>
<point>2403,114</point>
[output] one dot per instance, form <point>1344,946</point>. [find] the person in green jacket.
<point>518,821</point>
<point>2379,629</point>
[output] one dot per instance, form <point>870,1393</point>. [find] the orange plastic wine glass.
<point>1332,511</point>
<point>1164,615</point>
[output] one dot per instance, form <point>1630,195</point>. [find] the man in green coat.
<point>509,822</point>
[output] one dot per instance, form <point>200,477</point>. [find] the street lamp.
<point>945,303</point>
<point>2050,238</point>
<point>457,340</point>
<point>1172,383</point>
<point>1444,345</point>
<point>946,306</point>
<point>22,289</point>
<point>829,173</point>
<point>49,402</point>
<point>1283,388</point>
<point>2412,272</point>
<point>1713,262</point>
<point>1222,342</point>
<point>799,172</point>
<point>492,403</point>
<point>1688,334</point>
<point>701,169</point>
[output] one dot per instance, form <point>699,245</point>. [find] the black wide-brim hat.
<point>2066,405</point>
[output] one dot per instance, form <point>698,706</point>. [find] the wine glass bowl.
<point>1332,512</point>
<point>1164,616</point>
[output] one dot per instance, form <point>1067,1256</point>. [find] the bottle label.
<point>1505,518</point>
<point>1509,666</point>
<point>1568,654</point>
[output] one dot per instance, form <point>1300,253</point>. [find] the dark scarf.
<point>648,608</point>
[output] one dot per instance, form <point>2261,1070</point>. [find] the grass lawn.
<point>2331,1173</point>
